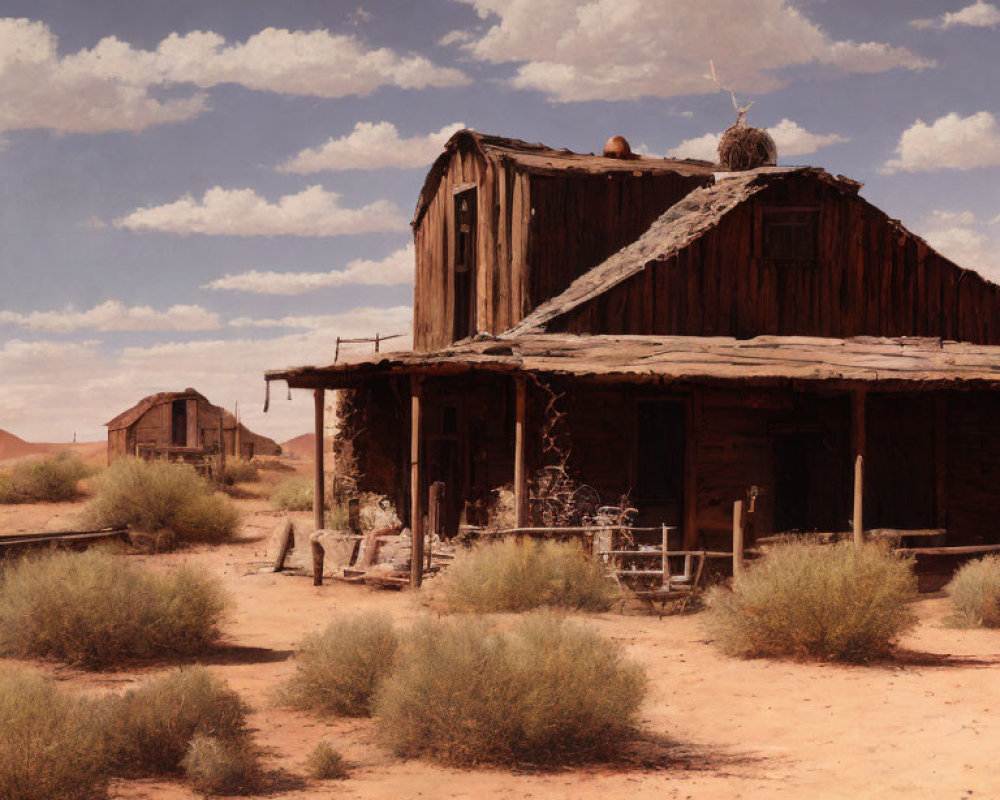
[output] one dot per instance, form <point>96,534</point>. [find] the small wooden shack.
<point>182,426</point>
<point>705,337</point>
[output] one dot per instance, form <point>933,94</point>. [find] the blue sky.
<point>193,192</point>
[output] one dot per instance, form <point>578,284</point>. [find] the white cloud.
<point>110,87</point>
<point>36,404</point>
<point>957,236</point>
<point>396,268</point>
<point>371,145</point>
<point>626,49</point>
<point>790,137</point>
<point>950,142</point>
<point>386,321</point>
<point>242,212</point>
<point>113,315</point>
<point>979,15</point>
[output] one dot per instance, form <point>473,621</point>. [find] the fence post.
<point>435,516</point>
<point>858,498</point>
<point>737,538</point>
<point>665,562</point>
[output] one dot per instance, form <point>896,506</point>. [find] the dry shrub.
<point>153,495</point>
<point>217,765</point>
<point>742,147</point>
<point>975,593</point>
<point>97,609</point>
<point>507,575</point>
<point>49,746</point>
<point>293,494</point>
<point>46,480</point>
<point>830,602</point>
<point>546,692</point>
<point>150,728</point>
<point>239,470</point>
<point>339,670</point>
<point>325,763</point>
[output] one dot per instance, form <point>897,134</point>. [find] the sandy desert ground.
<point>925,725</point>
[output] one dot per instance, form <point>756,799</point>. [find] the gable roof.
<point>543,160</point>
<point>910,362</point>
<point>679,226</point>
<point>131,416</point>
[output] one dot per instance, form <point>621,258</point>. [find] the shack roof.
<point>132,415</point>
<point>679,226</point>
<point>910,362</point>
<point>543,160</point>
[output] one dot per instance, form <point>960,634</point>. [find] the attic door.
<point>464,283</point>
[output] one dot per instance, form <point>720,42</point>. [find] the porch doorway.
<point>812,466</point>
<point>659,468</point>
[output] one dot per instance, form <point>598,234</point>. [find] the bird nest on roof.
<point>742,147</point>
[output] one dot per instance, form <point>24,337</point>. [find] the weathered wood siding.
<point>535,234</point>
<point>870,278</point>
<point>576,222</point>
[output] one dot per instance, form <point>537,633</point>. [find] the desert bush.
<point>51,479</point>
<point>377,512</point>
<point>831,602</point>
<point>293,494</point>
<point>49,746</point>
<point>339,670</point>
<point>547,691</point>
<point>149,729</point>
<point>975,593</point>
<point>153,495</point>
<point>325,763</point>
<point>97,609</point>
<point>507,575</point>
<point>239,470</point>
<point>221,766</point>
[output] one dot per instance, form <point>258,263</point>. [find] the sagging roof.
<point>132,415</point>
<point>679,226</point>
<point>544,160</point>
<point>765,360</point>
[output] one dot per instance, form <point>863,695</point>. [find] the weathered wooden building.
<point>182,425</point>
<point>709,336</point>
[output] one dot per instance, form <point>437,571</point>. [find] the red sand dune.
<point>13,447</point>
<point>303,446</point>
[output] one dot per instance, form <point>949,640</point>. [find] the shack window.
<point>789,236</point>
<point>465,265</point>
<point>659,451</point>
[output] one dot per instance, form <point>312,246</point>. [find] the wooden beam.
<point>738,527</point>
<point>520,457</point>
<point>416,507</point>
<point>859,437</point>
<point>692,423</point>
<point>941,460</point>
<point>435,517</point>
<point>319,484</point>
<point>857,525</point>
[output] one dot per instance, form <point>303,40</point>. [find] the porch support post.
<point>416,507</point>
<point>520,458</point>
<point>319,487</point>
<point>941,460</point>
<point>858,436</point>
<point>692,420</point>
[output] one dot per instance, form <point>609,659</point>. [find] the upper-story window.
<point>789,236</point>
<point>464,259</point>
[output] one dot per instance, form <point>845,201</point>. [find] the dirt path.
<point>927,726</point>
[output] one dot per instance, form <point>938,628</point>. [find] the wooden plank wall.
<point>870,279</point>
<point>576,222</point>
<point>535,235</point>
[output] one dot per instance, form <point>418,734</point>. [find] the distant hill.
<point>303,446</point>
<point>13,447</point>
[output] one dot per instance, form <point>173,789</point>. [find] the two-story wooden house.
<point>704,332</point>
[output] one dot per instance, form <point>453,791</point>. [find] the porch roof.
<point>904,363</point>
